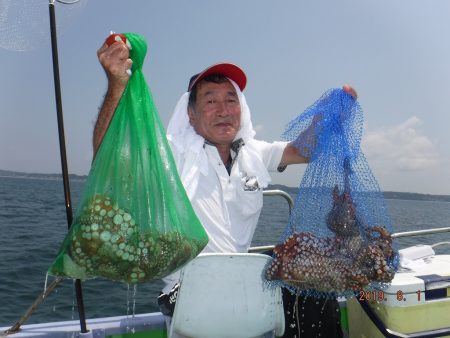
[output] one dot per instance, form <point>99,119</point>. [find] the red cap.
<point>229,70</point>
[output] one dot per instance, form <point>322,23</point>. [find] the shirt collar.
<point>235,146</point>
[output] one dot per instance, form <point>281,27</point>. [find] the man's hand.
<point>291,154</point>
<point>350,90</point>
<point>115,61</point>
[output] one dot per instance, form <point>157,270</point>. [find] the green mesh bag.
<point>134,222</point>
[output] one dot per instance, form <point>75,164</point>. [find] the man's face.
<point>217,114</point>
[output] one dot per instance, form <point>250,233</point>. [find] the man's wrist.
<point>115,89</point>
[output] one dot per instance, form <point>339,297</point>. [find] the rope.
<point>16,327</point>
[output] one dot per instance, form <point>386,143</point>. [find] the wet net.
<point>24,24</point>
<point>338,237</point>
<point>135,222</point>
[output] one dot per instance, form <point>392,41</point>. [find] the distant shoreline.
<point>395,195</point>
<point>17,174</point>
<point>291,190</point>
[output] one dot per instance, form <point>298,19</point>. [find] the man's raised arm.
<point>116,62</point>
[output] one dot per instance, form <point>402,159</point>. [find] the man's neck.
<point>224,152</point>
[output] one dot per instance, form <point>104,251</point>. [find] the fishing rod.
<point>65,174</point>
<point>62,145</point>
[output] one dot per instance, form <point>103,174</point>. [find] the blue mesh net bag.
<point>338,237</point>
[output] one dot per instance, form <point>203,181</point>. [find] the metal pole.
<point>62,148</point>
<point>420,232</point>
<point>281,193</point>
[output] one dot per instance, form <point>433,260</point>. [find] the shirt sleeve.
<point>271,152</point>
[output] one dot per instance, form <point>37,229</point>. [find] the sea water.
<point>33,225</point>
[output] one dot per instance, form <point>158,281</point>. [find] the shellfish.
<point>106,241</point>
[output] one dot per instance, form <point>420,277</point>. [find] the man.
<point>222,167</point>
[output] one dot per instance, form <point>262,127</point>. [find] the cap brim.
<point>229,70</point>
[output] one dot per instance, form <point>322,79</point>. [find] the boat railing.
<point>281,193</point>
<point>288,198</point>
<point>420,232</point>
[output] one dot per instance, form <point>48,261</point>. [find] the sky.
<point>394,53</point>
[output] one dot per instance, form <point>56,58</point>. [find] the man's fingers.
<point>128,64</point>
<point>350,90</point>
<point>118,50</point>
<point>102,49</point>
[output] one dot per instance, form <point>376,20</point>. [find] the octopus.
<point>106,241</point>
<point>348,261</point>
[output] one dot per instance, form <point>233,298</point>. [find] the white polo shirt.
<point>229,205</point>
